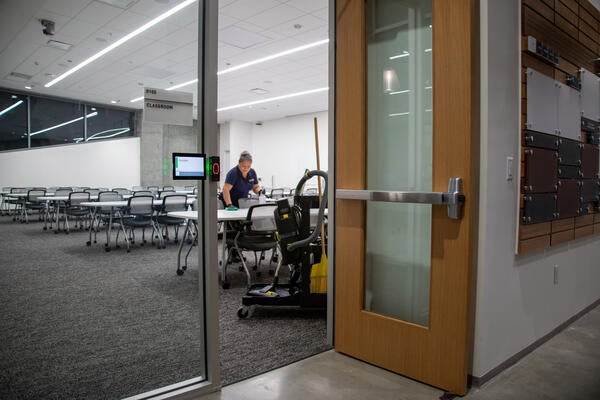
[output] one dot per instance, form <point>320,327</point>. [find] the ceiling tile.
<point>280,13</point>
<point>99,13</point>
<point>242,9</point>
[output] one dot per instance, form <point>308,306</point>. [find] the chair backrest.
<point>247,202</point>
<point>140,205</point>
<point>168,188</point>
<point>143,193</point>
<point>174,202</point>
<point>93,192</point>
<point>18,190</point>
<point>262,218</point>
<point>152,188</point>
<point>63,191</point>
<point>276,193</point>
<point>122,191</point>
<point>76,198</point>
<point>111,195</point>
<point>33,194</point>
<point>195,205</point>
<point>166,193</point>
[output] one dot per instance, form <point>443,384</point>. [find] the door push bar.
<point>453,197</point>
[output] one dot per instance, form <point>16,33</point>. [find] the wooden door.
<point>406,121</point>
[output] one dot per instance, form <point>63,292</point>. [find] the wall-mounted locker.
<point>542,103</point>
<point>568,172</point>
<point>540,140</point>
<point>569,112</point>
<point>589,191</point>
<point>590,95</point>
<point>567,200</point>
<point>589,161</point>
<point>541,170</point>
<point>539,208</point>
<point>569,152</point>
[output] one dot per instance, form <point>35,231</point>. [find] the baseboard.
<point>477,381</point>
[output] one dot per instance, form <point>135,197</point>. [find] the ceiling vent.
<point>20,76</point>
<point>124,4</point>
<point>59,45</point>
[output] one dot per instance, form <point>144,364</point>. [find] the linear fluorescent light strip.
<point>287,96</point>
<point>248,64</point>
<point>63,124</point>
<point>17,104</point>
<point>119,42</point>
<point>273,56</point>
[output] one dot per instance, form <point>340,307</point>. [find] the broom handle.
<point>319,182</point>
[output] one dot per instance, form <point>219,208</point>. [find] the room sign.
<point>168,107</point>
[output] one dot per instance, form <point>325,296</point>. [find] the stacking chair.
<point>93,192</point>
<point>15,205</point>
<point>139,213</point>
<point>166,192</point>
<point>74,209</point>
<point>33,204</point>
<point>257,234</point>
<point>122,191</point>
<point>172,202</point>
<point>54,207</point>
<point>168,188</point>
<point>144,193</point>
<point>276,193</point>
<point>104,214</point>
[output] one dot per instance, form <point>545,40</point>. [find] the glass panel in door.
<point>399,157</point>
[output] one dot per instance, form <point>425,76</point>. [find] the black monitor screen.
<point>189,166</point>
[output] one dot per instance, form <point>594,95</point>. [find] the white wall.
<point>112,163</point>
<point>517,301</point>
<point>282,149</point>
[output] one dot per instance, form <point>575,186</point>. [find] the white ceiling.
<point>166,54</point>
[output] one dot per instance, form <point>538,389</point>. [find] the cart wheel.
<point>179,272</point>
<point>242,312</point>
<point>226,285</point>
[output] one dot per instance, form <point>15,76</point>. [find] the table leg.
<point>185,233</point>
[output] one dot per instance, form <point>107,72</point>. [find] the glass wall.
<point>13,121</point>
<point>51,122</point>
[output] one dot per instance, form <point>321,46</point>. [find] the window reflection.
<point>13,121</point>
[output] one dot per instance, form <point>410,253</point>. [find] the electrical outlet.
<point>556,274</point>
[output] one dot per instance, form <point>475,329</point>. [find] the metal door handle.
<point>453,197</point>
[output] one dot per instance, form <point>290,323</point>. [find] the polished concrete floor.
<point>566,367</point>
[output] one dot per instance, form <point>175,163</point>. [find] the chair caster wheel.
<point>240,268</point>
<point>128,250</point>
<point>107,249</point>
<point>226,285</point>
<point>242,312</point>
<point>179,272</point>
<point>88,243</point>
<point>184,267</point>
<point>44,228</point>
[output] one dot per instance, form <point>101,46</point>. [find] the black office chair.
<point>257,234</point>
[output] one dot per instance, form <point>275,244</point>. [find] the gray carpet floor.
<point>82,323</point>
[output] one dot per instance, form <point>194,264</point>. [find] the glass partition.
<point>55,122</point>
<point>106,123</point>
<point>13,121</point>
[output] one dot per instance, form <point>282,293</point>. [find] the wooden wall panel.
<point>572,27</point>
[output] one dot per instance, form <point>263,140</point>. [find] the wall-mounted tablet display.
<point>189,166</point>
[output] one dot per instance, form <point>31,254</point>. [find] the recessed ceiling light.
<point>28,87</point>
<point>114,101</point>
<point>59,45</point>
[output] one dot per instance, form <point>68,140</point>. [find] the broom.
<point>318,272</point>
